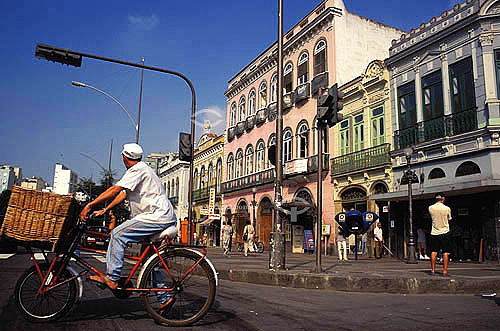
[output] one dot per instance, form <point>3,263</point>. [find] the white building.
<point>34,183</point>
<point>174,175</point>
<point>7,177</point>
<point>64,180</point>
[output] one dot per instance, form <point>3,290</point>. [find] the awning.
<point>207,221</point>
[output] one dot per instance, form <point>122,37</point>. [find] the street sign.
<point>325,230</point>
<point>210,211</point>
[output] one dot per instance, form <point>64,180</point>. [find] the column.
<point>446,84</point>
<point>489,67</point>
<point>418,90</point>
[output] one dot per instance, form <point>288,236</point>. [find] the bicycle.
<point>177,283</point>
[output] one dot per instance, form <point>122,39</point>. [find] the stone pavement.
<point>387,275</point>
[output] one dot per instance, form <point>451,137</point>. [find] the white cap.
<point>132,151</point>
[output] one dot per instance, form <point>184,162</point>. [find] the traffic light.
<point>329,106</point>
<point>185,148</point>
<point>61,55</point>
<point>271,154</point>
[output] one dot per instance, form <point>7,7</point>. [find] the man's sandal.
<point>103,282</point>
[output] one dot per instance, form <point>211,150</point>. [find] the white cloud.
<point>144,22</point>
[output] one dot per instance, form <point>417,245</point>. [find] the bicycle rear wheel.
<point>190,300</point>
<point>48,306</point>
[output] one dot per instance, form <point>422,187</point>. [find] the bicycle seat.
<point>170,233</point>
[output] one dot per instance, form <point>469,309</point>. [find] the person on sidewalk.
<point>341,245</point>
<point>364,241</point>
<point>195,238</point>
<point>379,240</point>
<point>422,245</point>
<point>151,211</point>
<point>227,235</point>
<point>440,233</point>
<point>248,233</point>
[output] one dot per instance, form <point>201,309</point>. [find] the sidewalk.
<point>387,275</point>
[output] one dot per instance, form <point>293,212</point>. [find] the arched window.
<point>437,173</point>
<point>230,167</point>
<point>320,57</point>
<point>232,119</point>
<point>467,168</point>
<point>219,174</point>
<point>262,95</point>
<point>210,175</point>
<point>202,177</point>
<point>303,69</point>
<point>251,103</point>
<point>261,154</point>
<point>274,88</point>
<point>249,160</point>
<point>196,180</point>
<point>242,112</point>
<point>177,187</point>
<point>271,142</point>
<point>287,145</point>
<point>287,78</point>
<point>303,140</point>
<point>239,164</point>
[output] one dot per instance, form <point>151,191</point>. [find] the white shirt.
<point>148,201</point>
<point>377,234</point>
<point>441,215</point>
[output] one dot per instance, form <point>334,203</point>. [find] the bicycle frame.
<point>49,280</point>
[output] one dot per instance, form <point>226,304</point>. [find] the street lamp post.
<point>135,125</point>
<point>254,203</point>
<point>74,58</point>
<point>411,176</point>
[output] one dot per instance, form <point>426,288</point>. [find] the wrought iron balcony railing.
<point>439,127</point>
<point>204,193</point>
<point>364,159</point>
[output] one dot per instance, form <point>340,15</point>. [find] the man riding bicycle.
<point>151,211</point>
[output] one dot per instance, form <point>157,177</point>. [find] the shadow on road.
<point>107,308</point>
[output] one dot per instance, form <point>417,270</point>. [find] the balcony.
<point>288,100</point>
<point>272,111</point>
<point>240,128</point>
<point>259,178</point>
<point>230,133</point>
<point>250,122</point>
<point>261,116</point>
<point>174,200</point>
<point>318,82</point>
<point>302,92</point>
<point>439,127</point>
<point>365,159</point>
<point>204,193</point>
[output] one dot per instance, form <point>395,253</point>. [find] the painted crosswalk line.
<point>5,256</point>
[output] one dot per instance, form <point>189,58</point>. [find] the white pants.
<point>342,245</point>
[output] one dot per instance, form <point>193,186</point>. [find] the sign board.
<point>297,238</point>
<point>211,207</point>
<point>385,209</point>
<point>295,167</point>
<point>325,229</point>
<point>204,211</point>
<point>392,224</point>
<point>308,240</point>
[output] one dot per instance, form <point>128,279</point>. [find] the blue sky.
<point>44,119</point>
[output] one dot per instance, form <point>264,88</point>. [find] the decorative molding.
<point>486,39</point>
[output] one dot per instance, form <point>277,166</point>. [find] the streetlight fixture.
<point>254,203</point>
<point>135,125</point>
<point>410,177</point>
<point>74,58</point>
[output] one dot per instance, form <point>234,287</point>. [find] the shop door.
<point>264,229</point>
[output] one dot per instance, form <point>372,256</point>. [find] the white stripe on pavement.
<point>5,256</point>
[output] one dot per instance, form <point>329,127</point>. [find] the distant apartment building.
<point>7,177</point>
<point>154,160</point>
<point>64,180</point>
<point>34,183</point>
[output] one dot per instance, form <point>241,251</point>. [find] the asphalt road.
<point>242,306</point>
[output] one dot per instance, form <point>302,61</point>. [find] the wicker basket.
<point>39,219</point>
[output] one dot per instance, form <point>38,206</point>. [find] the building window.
<point>177,187</point>
<point>251,103</point>
<point>437,173</point>
<point>219,174</point>
<point>271,142</point>
<point>467,168</point>
<point>239,164</point>
<point>462,84</point>
<point>287,78</point>
<point>274,88</point>
<point>202,178</point>
<point>359,133</point>
<point>432,95</point>
<point>232,120</point>
<point>344,138</point>
<point>303,69</point>
<point>196,180</point>
<point>260,160</point>
<point>249,160</point>
<point>406,106</point>
<point>378,126</point>
<point>303,141</point>
<point>262,95</point>
<point>230,167</point>
<point>168,190</point>
<point>320,57</point>
<point>287,145</point>
<point>242,109</point>
<point>210,174</point>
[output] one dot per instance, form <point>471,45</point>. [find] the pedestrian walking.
<point>195,238</point>
<point>341,245</point>
<point>248,233</point>
<point>378,236</point>
<point>440,233</point>
<point>227,235</point>
<point>422,244</point>
<point>364,241</point>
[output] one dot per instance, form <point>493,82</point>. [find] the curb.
<point>363,284</point>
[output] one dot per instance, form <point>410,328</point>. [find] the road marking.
<point>5,256</point>
<point>99,258</point>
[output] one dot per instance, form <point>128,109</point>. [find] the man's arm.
<point>116,201</point>
<point>109,194</point>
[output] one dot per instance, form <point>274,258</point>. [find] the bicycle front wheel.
<point>48,306</point>
<point>190,298</point>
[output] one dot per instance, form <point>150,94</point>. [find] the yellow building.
<point>208,174</point>
<point>363,140</point>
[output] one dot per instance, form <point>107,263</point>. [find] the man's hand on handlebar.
<point>85,211</point>
<point>100,212</point>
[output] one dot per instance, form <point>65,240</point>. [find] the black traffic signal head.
<point>61,55</point>
<point>355,224</point>
<point>185,147</point>
<point>329,106</point>
<point>271,154</point>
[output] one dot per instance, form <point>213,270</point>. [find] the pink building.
<point>329,45</point>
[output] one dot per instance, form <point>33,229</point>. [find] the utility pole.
<point>140,104</point>
<point>277,251</point>
<point>319,194</point>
